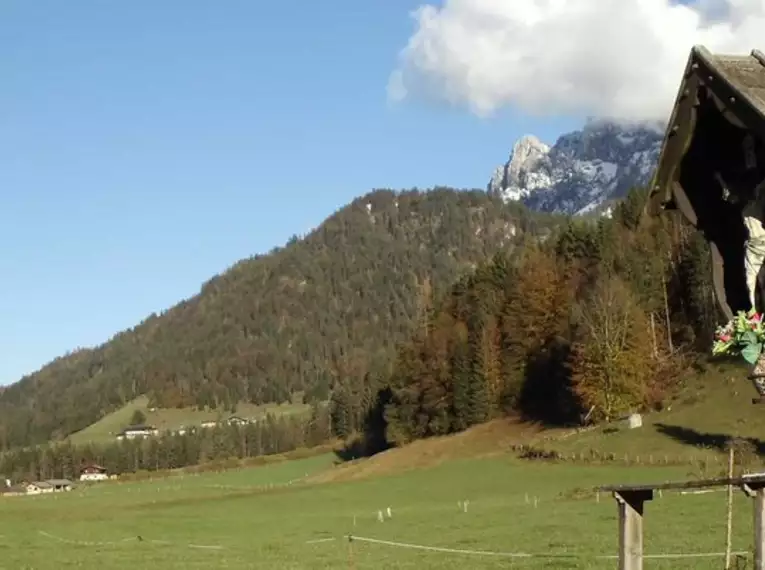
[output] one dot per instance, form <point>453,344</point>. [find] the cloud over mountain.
<point>604,58</point>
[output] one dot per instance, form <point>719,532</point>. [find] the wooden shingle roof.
<point>746,74</point>
<point>736,83</point>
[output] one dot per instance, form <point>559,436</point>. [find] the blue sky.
<point>148,145</point>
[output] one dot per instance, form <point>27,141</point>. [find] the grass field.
<point>105,430</point>
<point>234,520</point>
<point>295,514</point>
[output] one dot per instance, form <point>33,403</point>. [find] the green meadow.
<point>107,428</point>
<point>297,514</point>
<point>280,516</point>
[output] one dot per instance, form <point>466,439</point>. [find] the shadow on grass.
<point>719,441</point>
<point>351,450</point>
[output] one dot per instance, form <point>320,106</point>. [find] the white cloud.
<point>617,59</point>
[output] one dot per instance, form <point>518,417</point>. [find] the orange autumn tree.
<point>612,360</point>
<point>536,310</point>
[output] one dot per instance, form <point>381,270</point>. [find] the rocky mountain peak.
<point>520,175</point>
<point>582,170</point>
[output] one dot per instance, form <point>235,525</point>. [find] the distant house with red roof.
<point>93,472</point>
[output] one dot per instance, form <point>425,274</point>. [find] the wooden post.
<point>729,529</point>
<point>630,505</point>
<point>631,501</point>
<point>759,529</point>
<point>351,561</point>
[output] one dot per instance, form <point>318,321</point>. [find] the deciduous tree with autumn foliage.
<point>612,359</point>
<point>594,318</point>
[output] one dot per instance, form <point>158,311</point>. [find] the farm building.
<point>93,473</point>
<point>38,487</point>
<point>48,486</point>
<point>237,421</point>
<point>60,484</point>
<point>133,432</point>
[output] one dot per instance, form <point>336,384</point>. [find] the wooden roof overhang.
<point>717,125</point>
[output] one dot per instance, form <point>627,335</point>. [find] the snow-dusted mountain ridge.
<point>582,170</point>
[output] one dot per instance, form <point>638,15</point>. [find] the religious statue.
<point>712,169</point>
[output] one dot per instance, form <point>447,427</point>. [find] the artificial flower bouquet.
<point>744,335</point>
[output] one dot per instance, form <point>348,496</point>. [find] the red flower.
<point>724,337</point>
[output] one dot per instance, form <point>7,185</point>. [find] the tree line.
<point>269,436</point>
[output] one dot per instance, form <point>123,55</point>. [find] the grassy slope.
<point>257,526</point>
<point>712,408</point>
<point>105,429</point>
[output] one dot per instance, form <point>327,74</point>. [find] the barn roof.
<point>139,427</point>
<point>736,84</point>
<point>58,482</point>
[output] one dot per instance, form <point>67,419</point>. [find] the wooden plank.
<point>754,480</point>
<point>723,77</point>
<point>631,505</point>
<point>759,529</point>
<point>747,74</point>
<point>729,517</point>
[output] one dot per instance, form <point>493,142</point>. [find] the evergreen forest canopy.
<point>211,448</point>
<point>319,315</point>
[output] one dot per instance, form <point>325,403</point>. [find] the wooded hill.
<point>598,320</point>
<point>323,311</point>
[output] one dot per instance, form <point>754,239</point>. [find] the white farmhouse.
<point>133,432</point>
<point>93,473</point>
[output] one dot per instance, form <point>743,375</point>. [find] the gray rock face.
<point>582,171</point>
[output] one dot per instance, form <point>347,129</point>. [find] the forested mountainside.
<point>601,319</point>
<point>323,310</point>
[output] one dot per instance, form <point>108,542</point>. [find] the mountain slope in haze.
<point>323,308</point>
<point>582,171</point>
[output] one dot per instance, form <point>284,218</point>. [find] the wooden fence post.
<point>630,505</point>
<point>759,529</point>
<point>631,500</point>
<point>729,528</point>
